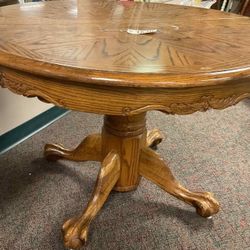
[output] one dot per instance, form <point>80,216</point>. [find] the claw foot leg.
<point>88,150</point>
<point>154,137</point>
<point>74,239</point>
<point>76,229</point>
<point>155,169</point>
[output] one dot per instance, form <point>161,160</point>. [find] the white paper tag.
<point>140,32</point>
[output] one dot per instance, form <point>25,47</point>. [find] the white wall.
<point>16,109</point>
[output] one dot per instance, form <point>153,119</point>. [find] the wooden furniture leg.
<point>155,169</point>
<point>127,136</point>
<point>76,229</point>
<point>124,148</point>
<point>154,137</point>
<point>88,150</point>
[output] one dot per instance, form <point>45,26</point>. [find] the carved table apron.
<point>82,58</point>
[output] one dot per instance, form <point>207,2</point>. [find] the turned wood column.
<point>125,135</point>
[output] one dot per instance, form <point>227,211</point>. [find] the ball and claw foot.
<point>75,230</point>
<point>152,167</point>
<point>75,235</point>
<point>206,205</point>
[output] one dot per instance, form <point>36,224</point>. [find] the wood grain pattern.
<point>125,142</point>
<point>78,37</point>
<point>76,229</point>
<point>83,59</point>
<point>155,169</point>
<point>88,150</point>
<point>126,135</point>
<point>126,100</point>
<point>154,137</point>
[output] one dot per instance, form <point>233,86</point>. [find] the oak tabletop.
<point>88,41</point>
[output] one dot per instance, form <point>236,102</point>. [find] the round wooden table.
<point>79,55</point>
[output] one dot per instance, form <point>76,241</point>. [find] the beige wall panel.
<point>16,109</point>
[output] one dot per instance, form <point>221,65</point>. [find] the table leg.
<point>88,150</point>
<point>127,136</point>
<point>154,137</point>
<point>76,229</point>
<point>125,147</point>
<point>155,169</point>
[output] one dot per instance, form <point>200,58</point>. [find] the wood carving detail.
<point>153,168</point>
<point>25,90</point>
<point>76,229</point>
<point>125,159</point>
<point>205,103</point>
<point>88,62</point>
<point>88,150</point>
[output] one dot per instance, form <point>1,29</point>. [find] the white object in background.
<point>141,32</point>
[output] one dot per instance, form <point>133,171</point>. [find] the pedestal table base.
<point>125,149</point>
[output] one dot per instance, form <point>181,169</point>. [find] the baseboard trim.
<point>29,128</point>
